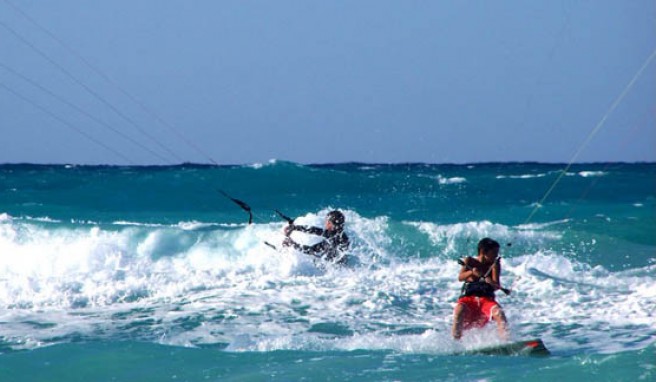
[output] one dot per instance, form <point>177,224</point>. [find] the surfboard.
<point>533,347</point>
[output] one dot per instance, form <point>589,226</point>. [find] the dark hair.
<point>336,217</point>
<point>487,244</point>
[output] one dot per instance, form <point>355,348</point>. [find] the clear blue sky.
<point>331,81</point>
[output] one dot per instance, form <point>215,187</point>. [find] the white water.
<point>193,283</point>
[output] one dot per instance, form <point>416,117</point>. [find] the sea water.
<point>153,274</point>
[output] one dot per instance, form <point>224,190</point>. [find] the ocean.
<point>112,273</point>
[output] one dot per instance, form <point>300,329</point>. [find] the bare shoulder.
<point>471,261</point>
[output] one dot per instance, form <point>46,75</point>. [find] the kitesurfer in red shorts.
<point>476,305</point>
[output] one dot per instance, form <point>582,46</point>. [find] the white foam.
<point>136,224</point>
<point>587,174</point>
<point>450,238</point>
<point>452,180</point>
<point>257,166</point>
<point>522,176</point>
<point>101,283</point>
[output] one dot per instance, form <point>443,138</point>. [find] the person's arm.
<point>468,272</point>
<point>313,250</point>
<point>309,229</point>
<point>303,228</point>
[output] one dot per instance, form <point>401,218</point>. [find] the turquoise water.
<point>149,273</point>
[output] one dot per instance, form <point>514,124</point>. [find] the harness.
<point>479,288</point>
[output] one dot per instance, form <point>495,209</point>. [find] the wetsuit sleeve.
<point>327,248</point>
<point>313,250</point>
<point>311,230</point>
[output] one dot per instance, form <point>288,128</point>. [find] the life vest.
<point>478,289</point>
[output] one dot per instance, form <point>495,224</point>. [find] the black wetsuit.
<point>331,248</point>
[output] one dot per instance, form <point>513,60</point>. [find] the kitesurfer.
<point>335,241</point>
<point>476,304</point>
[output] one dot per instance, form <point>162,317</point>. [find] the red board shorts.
<point>478,311</point>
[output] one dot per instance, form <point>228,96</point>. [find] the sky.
<point>241,82</point>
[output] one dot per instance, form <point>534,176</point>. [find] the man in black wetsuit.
<point>334,243</point>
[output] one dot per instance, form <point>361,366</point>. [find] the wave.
<point>523,176</point>
<point>583,174</point>
<point>587,174</point>
<point>189,284</point>
<point>452,180</point>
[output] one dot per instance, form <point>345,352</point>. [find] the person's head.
<point>488,248</point>
<point>335,220</point>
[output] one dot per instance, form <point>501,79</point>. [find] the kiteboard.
<point>533,347</point>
